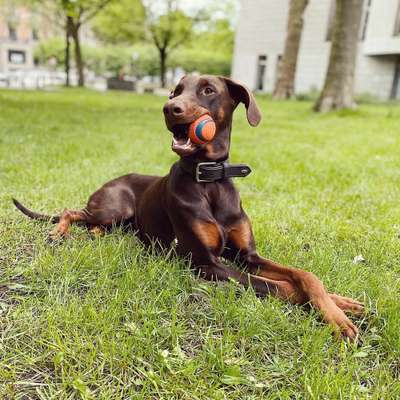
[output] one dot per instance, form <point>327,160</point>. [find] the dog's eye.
<point>171,95</point>
<point>208,90</point>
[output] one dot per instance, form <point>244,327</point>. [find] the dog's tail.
<point>34,215</point>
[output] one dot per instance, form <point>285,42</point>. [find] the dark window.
<point>16,57</point>
<point>397,22</point>
<point>364,24</point>
<point>261,68</point>
<point>396,82</point>
<point>12,32</point>
<point>331,20</point>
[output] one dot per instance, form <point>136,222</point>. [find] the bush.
<point>110,60</point>
<point>47,50</point>
<point>203,61</point>
<point>138,60</point>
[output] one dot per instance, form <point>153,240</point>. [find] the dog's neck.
<point>211,163</point>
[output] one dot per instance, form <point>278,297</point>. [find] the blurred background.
<point>125,44</point>
<point>284,47</point>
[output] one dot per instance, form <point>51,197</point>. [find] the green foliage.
<point>121,22</point>
<point>206,48</point>
<point>53,48</point>
<point>219,37</point>
<point>108,60</point>
<point>146,60</point>
<point>138,60</point>
<point>210,51</point>
<point>105,319</point>
<point>199,59</point>
<point>171,30</point>
<point>82,10</point>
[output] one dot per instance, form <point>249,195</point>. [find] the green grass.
<point>107,319</point>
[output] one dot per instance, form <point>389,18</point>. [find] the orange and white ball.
<point>202,130</point>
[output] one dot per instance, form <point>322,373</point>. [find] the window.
<point>331,20</point>
<point>17,57</point>
<point>364,24</point>
<point>397,22</point>
<point>12,32</point>
<point>261,68</point>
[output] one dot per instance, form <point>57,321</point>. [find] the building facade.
<point>17,38</point>
<point>21,29</point>
<point>261,34</point>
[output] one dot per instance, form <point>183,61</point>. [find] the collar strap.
<point>215,171</point>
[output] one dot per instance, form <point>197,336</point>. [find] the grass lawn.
<point>105,319</point>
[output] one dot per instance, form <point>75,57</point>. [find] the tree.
<point>122,22</point>
<point>68,27</point>
<point>168,31</point>
<point>73,14</point>
<point>209,51</point>
<point>161,23</point>
<point>284,88</point>
<point>338,91</point>
<point>50,49</point>
<point>78,13</point>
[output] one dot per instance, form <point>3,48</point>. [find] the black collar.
<point>214,171</point>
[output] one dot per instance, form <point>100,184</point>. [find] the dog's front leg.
<point>302,286</point>
<point>203,241</point>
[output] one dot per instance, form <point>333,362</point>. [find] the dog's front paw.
<point>347,304</point>
<point>340,322</point>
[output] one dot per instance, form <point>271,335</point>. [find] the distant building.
<point>21,28</point>
<point>17,38</point>
<point>261,35</point>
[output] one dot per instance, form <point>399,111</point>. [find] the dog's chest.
<point>225,203</point>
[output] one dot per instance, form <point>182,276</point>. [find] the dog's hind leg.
<point>97,231</point>
<point>67,218</point>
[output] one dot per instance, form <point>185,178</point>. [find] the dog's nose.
<point>173,108</point>
<point>176,110</point>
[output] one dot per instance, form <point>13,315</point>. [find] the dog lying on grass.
<point>198,204</point>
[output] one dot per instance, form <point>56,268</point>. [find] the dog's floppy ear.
<point>241,94</point>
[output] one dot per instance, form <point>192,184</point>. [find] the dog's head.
<point>217,96</point>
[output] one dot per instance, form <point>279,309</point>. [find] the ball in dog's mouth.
<point>188,137</point>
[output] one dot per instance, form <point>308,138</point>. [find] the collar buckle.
<point>198,172</point>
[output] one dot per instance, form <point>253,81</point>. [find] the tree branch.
<point>179,42</point>
<point>95,11</point>
<point>155,39</point>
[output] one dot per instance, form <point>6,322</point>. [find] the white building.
<point>261,34</point>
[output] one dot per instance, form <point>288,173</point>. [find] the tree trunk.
<point>163,67</point>
<point>67,50</point>
<point>284,88</point>
<point>338,91</point>
<point>78,54</point>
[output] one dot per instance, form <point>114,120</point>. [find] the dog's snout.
<point>174,108</point>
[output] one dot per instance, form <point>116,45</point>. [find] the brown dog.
<point>197,204</point>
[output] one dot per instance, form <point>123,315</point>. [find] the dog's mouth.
<point>181,143</point>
